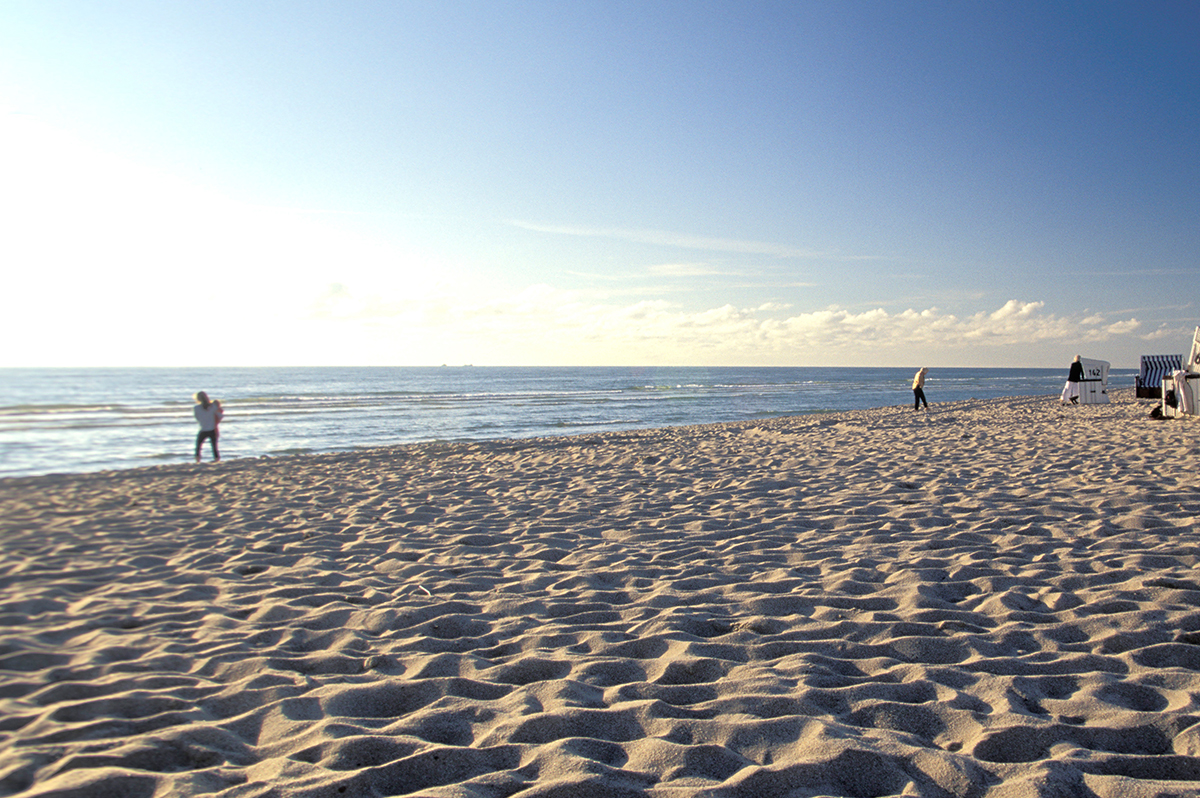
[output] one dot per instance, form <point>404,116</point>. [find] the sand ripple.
<point>998,600</point>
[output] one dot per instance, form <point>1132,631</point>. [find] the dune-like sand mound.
<point>997,599</point>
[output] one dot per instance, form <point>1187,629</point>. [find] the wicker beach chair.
<point>1153,369</point>
<point>1093,388</point>
<point>1181,388</point>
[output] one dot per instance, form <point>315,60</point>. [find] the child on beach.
<point>208,414</point>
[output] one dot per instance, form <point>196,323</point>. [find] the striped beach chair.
<point>1154,369</point>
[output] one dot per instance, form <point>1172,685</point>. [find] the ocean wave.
<point>77,420</point>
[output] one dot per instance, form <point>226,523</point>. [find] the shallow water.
<point>74,420</point>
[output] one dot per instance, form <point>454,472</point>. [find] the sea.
<point>57,420</point>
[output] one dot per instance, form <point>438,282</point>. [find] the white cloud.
<point>1122,327</point>
<point>690,270</point>
<point>546,325</point>
<point>1164,332</point>
<point>687,241</point>
<point>1012,308</point>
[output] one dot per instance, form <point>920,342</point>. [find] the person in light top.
<point>919,389</point>
<point>208,415</point>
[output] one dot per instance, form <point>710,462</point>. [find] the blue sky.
<point>607,183</point>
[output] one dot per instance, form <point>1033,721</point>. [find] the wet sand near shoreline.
<point>997,599</point>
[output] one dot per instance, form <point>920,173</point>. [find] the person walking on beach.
<point>1070,391</point>
<point>208,415</point>
<point>919,389</point>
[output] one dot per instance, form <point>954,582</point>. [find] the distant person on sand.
<point>208,414</point>
<point>919,389</point>
<point>1070,391</point>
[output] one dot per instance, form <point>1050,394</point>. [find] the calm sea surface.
<point>74,420</point>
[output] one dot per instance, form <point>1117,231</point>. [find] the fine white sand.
<point>997,599</point>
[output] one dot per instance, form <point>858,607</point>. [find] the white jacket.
<point>209,417</point>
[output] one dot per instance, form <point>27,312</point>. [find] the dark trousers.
<point>211,434</point>
<point>919,397</point>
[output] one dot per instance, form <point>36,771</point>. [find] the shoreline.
<point>996,599</point>
<point>121,422</point>
<point>399,448</point>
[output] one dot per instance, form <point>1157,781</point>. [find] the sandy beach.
<point>996,599</point>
